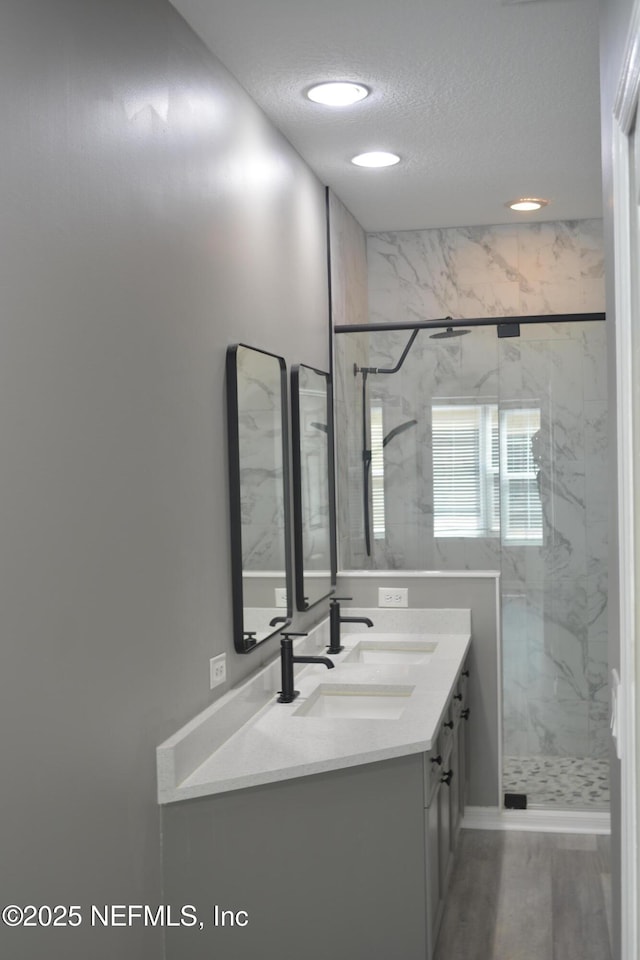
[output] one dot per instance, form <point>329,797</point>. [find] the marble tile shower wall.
<point>554,594</point>
<point>496,271</point>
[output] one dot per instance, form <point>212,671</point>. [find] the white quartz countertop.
<point>255,740</point>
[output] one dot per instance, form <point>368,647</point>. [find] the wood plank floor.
<point>527,896</point>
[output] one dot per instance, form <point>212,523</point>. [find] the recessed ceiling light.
<point>525,204</point>
<point>377,158</point>
<point>338,94</point>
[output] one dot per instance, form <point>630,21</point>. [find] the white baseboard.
<point>539,821</point>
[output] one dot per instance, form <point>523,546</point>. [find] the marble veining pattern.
<point>554,592</point>
<point>555,267</point>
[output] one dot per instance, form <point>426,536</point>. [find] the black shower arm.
<point>398,364</point>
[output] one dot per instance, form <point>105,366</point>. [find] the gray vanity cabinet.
<point>436,835</point>
<point>438,839</point>
<point>350,863</point>
<point>445,793</point>
<point>432,864</point>
<point>456,766</point>
<point>329,865</point>
<point>459,784</point>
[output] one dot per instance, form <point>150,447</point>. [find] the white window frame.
<point>488,522</point>
<point>530,534</point>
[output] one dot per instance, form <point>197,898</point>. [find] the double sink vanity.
<point>316,805</point>
<point>344,803</point>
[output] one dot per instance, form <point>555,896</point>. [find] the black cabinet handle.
<point>465,713</point>
<point>457,696</point>
<point>447,777</point>
<point>449,723</point>
<point>465,673</point>
<point>437,759</point>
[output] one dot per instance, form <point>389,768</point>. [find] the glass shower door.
<point>490,453</point>
<point>554,565</point>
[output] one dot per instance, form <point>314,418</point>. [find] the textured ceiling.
<point>485,100</point>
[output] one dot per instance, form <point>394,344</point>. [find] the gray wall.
<point>615,19</point>
<point>150,217</point>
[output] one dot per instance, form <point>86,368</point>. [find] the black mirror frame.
<point>301,601</point>
<point>242,643</point>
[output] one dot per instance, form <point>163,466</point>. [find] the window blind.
<point>465,470</point>
<point>482,465</point>
<point>377,471</point>
<point>484,474</point>
<point>522,511</point>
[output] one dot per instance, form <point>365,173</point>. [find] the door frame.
<point>627,314</point>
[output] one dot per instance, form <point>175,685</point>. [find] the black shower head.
<point>448,333</point>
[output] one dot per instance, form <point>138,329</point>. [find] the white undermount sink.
<point>391,651</point>
<point>363,701</point>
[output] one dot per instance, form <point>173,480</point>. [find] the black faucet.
<point>334,624</point>
<point>287,660</point>
<point>277,620</point>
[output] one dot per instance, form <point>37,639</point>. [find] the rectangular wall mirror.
<point>259,494</point>
<point>313,485</point>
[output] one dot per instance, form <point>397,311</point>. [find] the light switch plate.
<point>281,596</point>
<point>393,596</point>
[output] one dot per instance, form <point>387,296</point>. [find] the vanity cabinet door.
<point>437,857</point>
<point>432,769</point>
<point>455,789</point>
<point>435,829</point>
<point>462,763</point>
<point>459,784</point>
<point>444,795</point>
<point>432,862</point>
<point>458,714</point>
<point>444,830</point>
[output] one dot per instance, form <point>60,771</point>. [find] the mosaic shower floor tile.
<point>558,781</point>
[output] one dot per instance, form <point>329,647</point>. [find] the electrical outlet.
<point>218,670</point>
<point>393,596</point>
<point>281,596</point>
